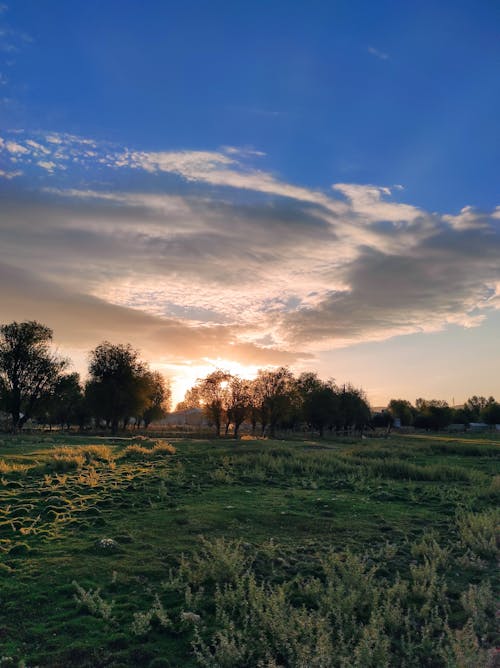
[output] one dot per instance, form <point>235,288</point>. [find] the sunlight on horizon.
<point>183,376</point>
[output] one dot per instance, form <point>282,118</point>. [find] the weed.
<point>478,532</point>
<point>479,604</point>
<point>143,621</point>
<point>92,601</point>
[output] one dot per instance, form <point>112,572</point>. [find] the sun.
<point>184,375</point>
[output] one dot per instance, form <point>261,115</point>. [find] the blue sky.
<point>242,116</point>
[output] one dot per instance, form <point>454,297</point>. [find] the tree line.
<point>35,383</point>
<point>121,390</point>
<point>435,414</point>
<point>277,400</point>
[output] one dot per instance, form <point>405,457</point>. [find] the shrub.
<point>479,604</point>
<point>10,467</point>
<point>143,620</point>
<point>138,452</point>
<point>65,459</point>
<point>478,532</point>
<point>96,453</point>
<point>92,601</point>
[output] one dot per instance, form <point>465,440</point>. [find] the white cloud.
<point>470,219</point>
<point>48,165</point>
<point>300,267</point>
<point>367,201</point>
<point>378,54</point>
<point>16,148</point>
<point>9,175</point>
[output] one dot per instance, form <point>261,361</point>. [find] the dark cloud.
<point>446,278</point>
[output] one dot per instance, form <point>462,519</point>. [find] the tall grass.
<point>139,452</point>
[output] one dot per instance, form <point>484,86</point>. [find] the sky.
<point>252,184</point>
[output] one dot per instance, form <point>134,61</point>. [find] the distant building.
<point>478,426</point>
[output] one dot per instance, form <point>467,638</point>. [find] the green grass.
<point>379,552</point>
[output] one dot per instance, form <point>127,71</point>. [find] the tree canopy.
<point>29,369</point>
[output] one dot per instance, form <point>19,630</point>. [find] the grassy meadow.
<point>249,553</point>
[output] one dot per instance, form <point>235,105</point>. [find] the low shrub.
<point>96,453</point>
<point>479,532</point>
<point>65,459</point>
<point>11,467</point>
<point>139,452</point>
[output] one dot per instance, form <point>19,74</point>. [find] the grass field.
<point>380,552</point>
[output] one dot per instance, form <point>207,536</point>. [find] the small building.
<point>478,426</point>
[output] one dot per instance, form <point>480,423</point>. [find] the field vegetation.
<point>142,552</point>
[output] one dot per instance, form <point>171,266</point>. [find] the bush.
<point>96,453</point>
<point>138,452</point>
<point>65,459</point>
<point>478,532</point>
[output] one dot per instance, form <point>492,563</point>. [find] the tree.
<point>115,389</point>
<point>491,413</point>
<point>319,401</point>
<point>212,394</point>
<point>275,389</point>
<point>476,404</point>
<point>157,397</point>
<point>29,370</point>
<point>433,414</point>
<point>191,400</point>
<point>238,399</point>
<point>65,400</point>
<point>402,410</point>
<point>354,411</point>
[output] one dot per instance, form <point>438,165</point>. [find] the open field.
<point>380,552</point>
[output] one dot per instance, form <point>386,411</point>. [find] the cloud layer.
<point>197,254</point>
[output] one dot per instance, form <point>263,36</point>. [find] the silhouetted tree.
<point>476,405</point>
<point>354,411</point>
<point>65,400</point>
<point>402,410</point>
<point>320,404</point>
<point>157,396</point>
<point>115,389</point>
<point>212,393</point>
<point>191,400</point>
<point>29,370</point>
<point>433,414</point>
<point>238,398</point>
<point>491,413</point>
<point>275,389</point>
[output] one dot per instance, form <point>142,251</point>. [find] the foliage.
<point>157,397</point>
<point>29,371</point>
<point>118,385</point>
<point>478,531</point>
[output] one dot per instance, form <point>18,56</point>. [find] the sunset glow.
<point>256,207</point>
